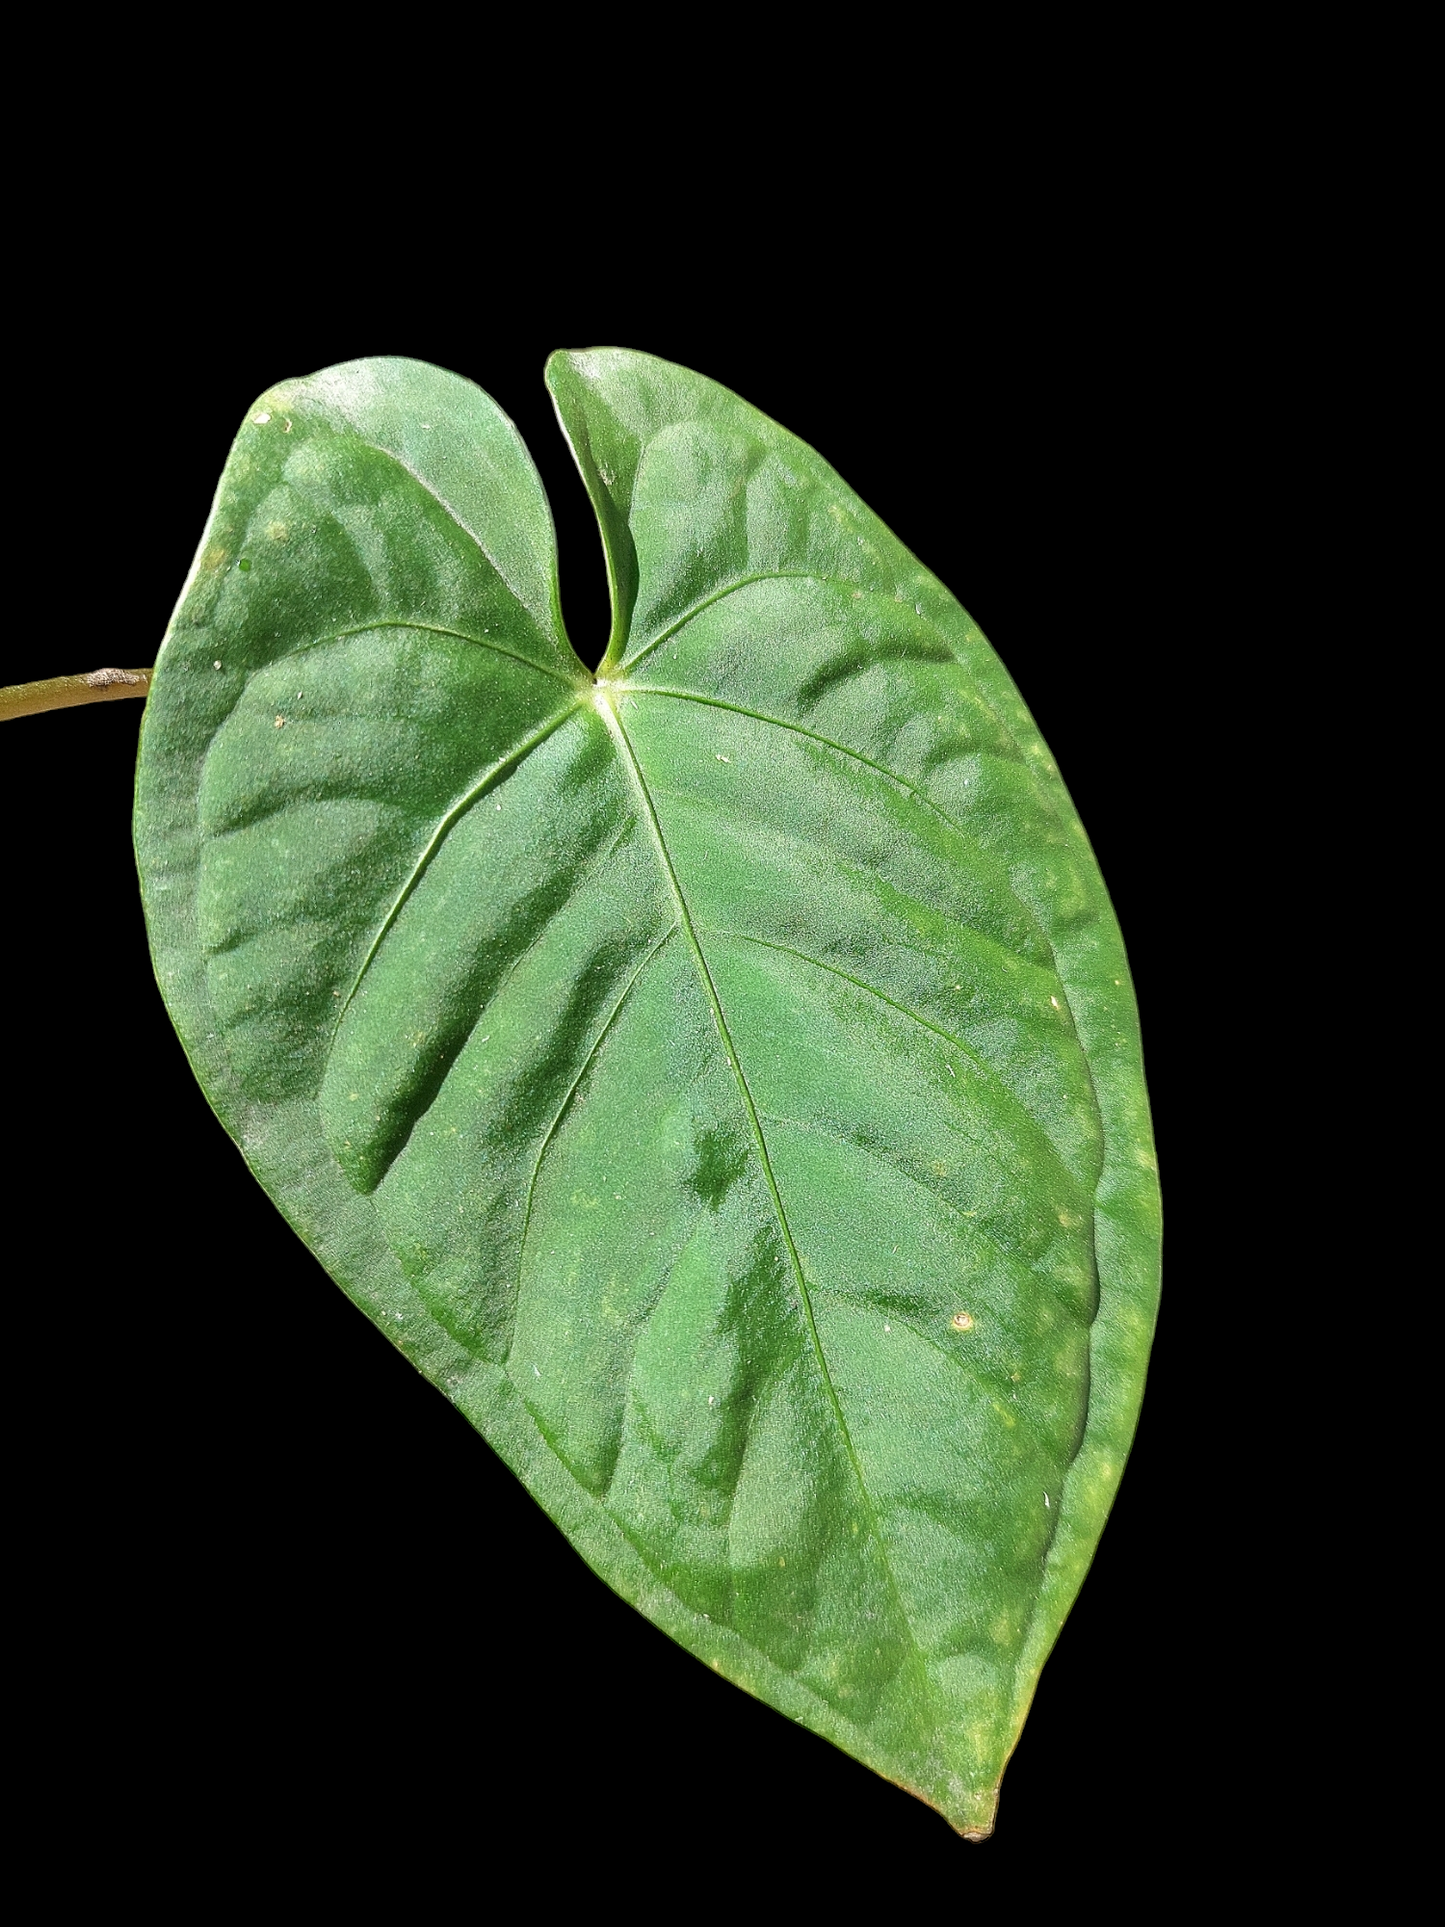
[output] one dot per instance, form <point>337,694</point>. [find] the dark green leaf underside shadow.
<point>721,1077</point>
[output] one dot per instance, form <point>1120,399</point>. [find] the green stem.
<point>63,692</point>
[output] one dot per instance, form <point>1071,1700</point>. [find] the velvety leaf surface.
<point>720,1076</point>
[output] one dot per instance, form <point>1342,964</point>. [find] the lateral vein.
<point>561,1112</point>
<point>720,595</point>
<point>797,729</point>
<point>502,767</point>
<point>438,629</point>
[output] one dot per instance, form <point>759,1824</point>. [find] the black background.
<point>276,1598</point>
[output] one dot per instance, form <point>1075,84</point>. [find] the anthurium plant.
<point>719,1072</point>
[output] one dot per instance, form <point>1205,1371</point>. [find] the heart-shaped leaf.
<point>721,1076</point>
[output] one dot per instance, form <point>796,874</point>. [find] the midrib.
<point>709,988</point>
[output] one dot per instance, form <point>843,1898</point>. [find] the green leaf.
<point>721,1077</point>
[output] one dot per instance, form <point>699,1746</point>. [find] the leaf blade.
<point>774,932</point>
